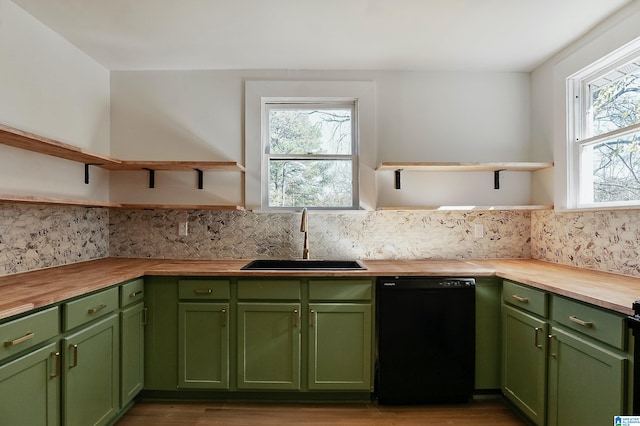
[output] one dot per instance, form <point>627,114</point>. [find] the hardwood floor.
<point>483,412</point>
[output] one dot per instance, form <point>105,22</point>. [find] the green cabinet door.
<point>340,346</point>
<point>586,381</point>
<point>131,352</point>
<point>488,333</point>
<point>90,374</point>
<point>525,362</point>
<point>30,388</point>
<point>203,338</point>
<point>269,346</point>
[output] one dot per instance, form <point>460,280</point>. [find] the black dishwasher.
<point>426,339</point>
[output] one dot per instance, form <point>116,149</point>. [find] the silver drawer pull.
<point>520,298</point>
<point>20,339</point>
<point>583,323</point>
<point>135,293</point>
<point>96,309</point>
<point>203,291</point>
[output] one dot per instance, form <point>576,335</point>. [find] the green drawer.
<point>526,298</point>
<point>340,289</point>
<point>606,326</point>
<point>204,289</point>
<point>131,292</point>
<point>28,331</point>
<point>88,308</point>
<point>269,289</point>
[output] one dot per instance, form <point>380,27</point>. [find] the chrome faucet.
<point>304,227</point>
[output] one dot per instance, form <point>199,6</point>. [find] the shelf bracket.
<point>152,177</point>
<point>398,182</point>
<point>496,178</point>
<point>86,171</point>
<point>200,178</point>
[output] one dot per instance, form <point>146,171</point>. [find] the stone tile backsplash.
<point>36,237</point>
<point>602,240</point>
<point>361,235</point>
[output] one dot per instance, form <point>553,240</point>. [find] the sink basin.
<point>303,265</point>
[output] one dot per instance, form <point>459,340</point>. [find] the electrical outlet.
<point>183,229</point>
<point>478,230</point>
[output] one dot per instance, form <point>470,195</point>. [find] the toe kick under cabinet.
<point>259,334</point>
<point>564,362</point>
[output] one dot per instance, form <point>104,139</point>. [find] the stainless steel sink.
<point>303,264</point>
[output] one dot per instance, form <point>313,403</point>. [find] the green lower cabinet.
<point>340,346</point>
<point>269,346</point>
<point>30,388</point>
<point>90,386</point>
<point>525,362</point>
<point>203,338</point>
<point>131,352</point>
<point>488,333</point>
<point>586,381</point>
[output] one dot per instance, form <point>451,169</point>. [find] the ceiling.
<point>451,35</point>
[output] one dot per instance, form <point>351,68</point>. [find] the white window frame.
<point>305,105</point>
<point>260,92</point>
<point>578,92</point>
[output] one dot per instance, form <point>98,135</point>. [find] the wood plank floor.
<point>483,412</point>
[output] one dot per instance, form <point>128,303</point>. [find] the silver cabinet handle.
<point>203,291</point>
<point>56,373</point>
<point>312,318</point>
<point>295,317</point>
<point>223,318</point>
<point>135,293</point>
<point>551,338</point>
<point>583,323</point>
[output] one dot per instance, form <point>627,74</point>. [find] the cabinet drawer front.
<point>131,292</point>
<point>605,326</point>
<point>25,332</point>
<point>269,289</point>
<point>340,289</point>
<point>203,289</point>
<point>88,308</point>
<point>527,298</point>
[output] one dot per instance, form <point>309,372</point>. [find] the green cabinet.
<point>586,381</point>
<point>564,362</point>
<point>340,346</point>
<point>268,346</point>
<point>203,338</point>
<point>131,352</point>
<point>90,373</point>
<point>525,362</point>
<point>488,333</point>
<point>30,388</point>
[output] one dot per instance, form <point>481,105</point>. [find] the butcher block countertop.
<point>21,293</point>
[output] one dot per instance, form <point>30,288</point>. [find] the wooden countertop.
<point>20,293</point>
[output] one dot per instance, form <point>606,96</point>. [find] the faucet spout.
<point>304,227</point>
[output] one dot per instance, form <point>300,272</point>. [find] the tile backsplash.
<point>36,237</point>
<point>602,240</point>
<point>333,235</point>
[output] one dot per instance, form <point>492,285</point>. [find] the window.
<point>604,131</point>
<point>310,151</point>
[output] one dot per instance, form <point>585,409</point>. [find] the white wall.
<point>548,83</point>
<point>49,87</point>
<point>420,116</point>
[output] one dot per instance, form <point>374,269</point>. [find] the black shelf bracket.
<point>200,178</point>
<point>398,172</point>
<point>496,178</point>
<point>86,171</point>
<point>152,177</point>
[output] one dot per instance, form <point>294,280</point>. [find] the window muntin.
<point>604,131</point>
<point>311,155</point>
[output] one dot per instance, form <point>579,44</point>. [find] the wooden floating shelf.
<point>26,199</point>
<point>177,166</point>
<point>463,167</point>
<point>467,208</point>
